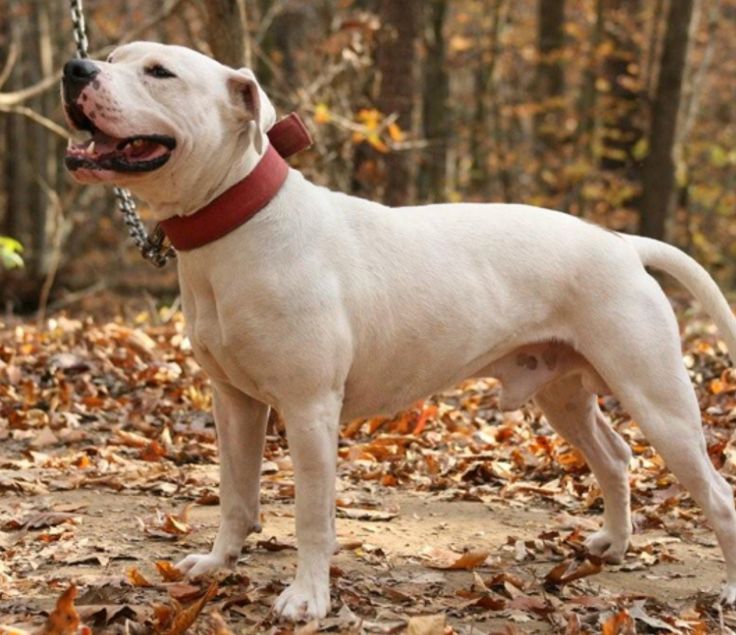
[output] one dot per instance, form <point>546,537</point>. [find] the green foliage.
<point>10,250</point>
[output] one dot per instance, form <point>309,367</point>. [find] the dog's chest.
<point>219,343</point>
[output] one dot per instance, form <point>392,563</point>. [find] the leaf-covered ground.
<point>453,517</point>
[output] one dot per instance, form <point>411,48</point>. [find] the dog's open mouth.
<point>138,153</point>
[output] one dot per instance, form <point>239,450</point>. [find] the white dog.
<point>328,307</point>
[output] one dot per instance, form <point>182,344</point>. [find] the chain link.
<point>151,246</point>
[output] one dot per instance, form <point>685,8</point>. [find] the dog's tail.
<point>694,278</point>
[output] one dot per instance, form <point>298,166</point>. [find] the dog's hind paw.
<point>198,564</point>
<point>301,602</point>
<point>728,594</point>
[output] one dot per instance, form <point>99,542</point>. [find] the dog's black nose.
<point>80,71</point>
<point>77,74</point>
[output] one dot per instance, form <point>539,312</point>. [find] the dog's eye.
<point>156,70</point>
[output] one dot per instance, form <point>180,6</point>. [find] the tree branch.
<point>37,118</point>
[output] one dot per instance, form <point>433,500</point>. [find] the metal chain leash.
<point>151,246</point>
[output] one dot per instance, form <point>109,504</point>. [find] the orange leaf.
<point>446,559</point>
<point>396,133</point>
<point>322,114</point>
<point>168,571</point>
<point>172,525</point>
<point>183,619</point>
<point>137,578</point>
<point>376,142</point>
<point>219,627</point>
<point>429,411</point>
<point>619,624</point>
<point>154,451</point>
<point>569,571</point>
<point>64,620</point>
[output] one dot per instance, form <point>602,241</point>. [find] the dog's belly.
<point>522,373</point>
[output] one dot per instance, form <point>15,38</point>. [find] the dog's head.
<point>160,119</point>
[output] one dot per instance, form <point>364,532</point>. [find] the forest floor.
<point>452,516</point>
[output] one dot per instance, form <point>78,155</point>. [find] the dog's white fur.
<point>328,307</point>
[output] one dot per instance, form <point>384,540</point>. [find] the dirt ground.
<point>452,509</point>
<point>382,559</point>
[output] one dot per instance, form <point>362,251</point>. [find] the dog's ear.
<point>252,102</point>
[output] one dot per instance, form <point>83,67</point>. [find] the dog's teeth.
<point>91,147</point>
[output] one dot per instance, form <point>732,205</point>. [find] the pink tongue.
<point>104,143</point>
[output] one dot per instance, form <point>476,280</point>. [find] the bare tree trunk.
<point>653,48</point>
<point>487,124</point>
<point>550,76</point>
<point>658,174</point>
<point>621,103</point>
<point>226,31</point>
<point>436,116</point>
<point>396,61</point>
<point>42,142</point>
<point>16,219</point>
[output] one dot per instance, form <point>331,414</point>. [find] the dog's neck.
<point>237,202</point>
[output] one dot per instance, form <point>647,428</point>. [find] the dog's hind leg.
<point>573,412</point>
<point>641,360</point>
<point>241,432</point>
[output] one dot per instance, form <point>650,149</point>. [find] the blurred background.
<point>618,111</point>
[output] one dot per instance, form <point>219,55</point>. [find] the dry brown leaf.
<point>365,514</point>
<point>272,544</point>
<point>137,578</point>
<point>427,625</point>
<point>168,571</point>
<point>445,559</point>
<point>219,627</point>
<point>182,619</point>
<point>174,525</point>
<point>183,592</point>
<point>64,619</point>
<point>571,570</point>
<point>619,623</point>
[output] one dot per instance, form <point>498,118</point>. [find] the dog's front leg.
<point>241,432</point>
<point>312,435</point>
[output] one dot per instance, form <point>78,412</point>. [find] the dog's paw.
<point>728,595</point>
<point>198,564</point>
<point>300,601</point>
<point>607,546</point>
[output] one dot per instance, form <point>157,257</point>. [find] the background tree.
<point>227,32</point>
<point>436,111</point>
<point>550,70</point>
<point>396,60</point>
<point>621,83</point>
<point>495,100</point>
<point>658,173</point>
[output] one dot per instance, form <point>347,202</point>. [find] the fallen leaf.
<point>445,559</point>
<point>168,571</point>
<point>427,625</point>
<point>137,578</point>
<point>571,570</point>
<point>365,514</point>
<point>178,621</point>
<point>64,619</point>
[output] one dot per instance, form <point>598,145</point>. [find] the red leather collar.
<point>246,198</point>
